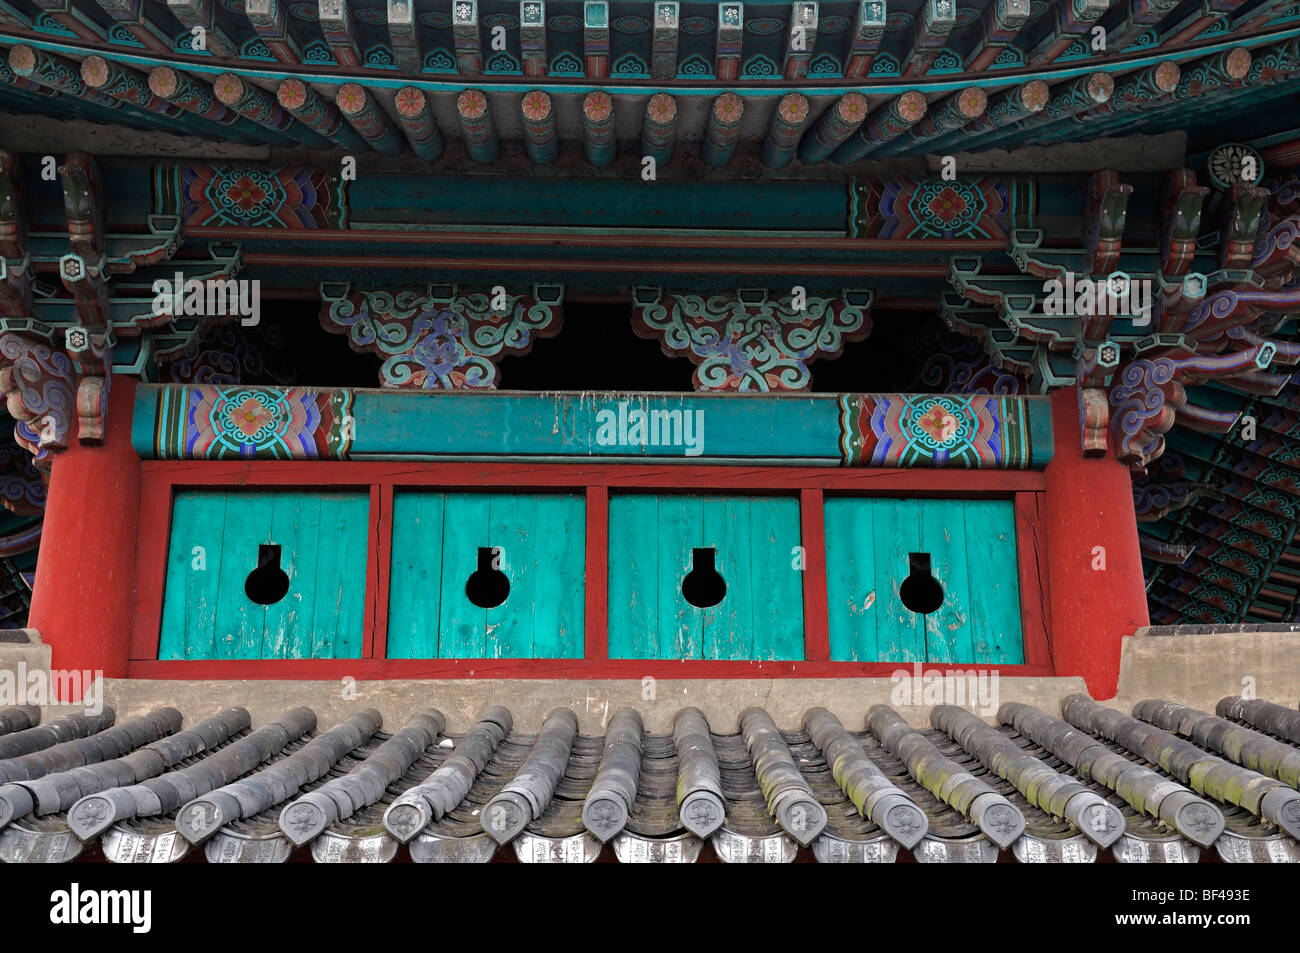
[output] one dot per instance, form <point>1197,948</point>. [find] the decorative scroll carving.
<point>253,423</point>
<point>941,430</point>
<point>22,486</point>
<point>37,381</point>
<point>1149,393</point>
<point>747,342</point>
<point>440,339</point>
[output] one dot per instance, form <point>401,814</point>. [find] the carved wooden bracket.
<point>748,342</point>
<point>38,384</point>
<point>440,338</point>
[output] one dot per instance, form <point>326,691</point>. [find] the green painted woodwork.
<point>651,543</point>
<point>322,539</point>
<point>972,549</point>
<point>541,542</point>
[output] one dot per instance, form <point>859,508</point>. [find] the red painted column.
<point>1090,505</point>
<point>85,573</point>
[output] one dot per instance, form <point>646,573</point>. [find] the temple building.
<point>447,430</point>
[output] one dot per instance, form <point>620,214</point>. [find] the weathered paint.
<point>323,539</point>
<point>436,540</point>
<point>755,540</point>
<point>972,549</point>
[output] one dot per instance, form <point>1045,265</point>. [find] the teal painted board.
<point>994,582</point>
<point>288,625</point>
<point>193,571</point>
<point>853,599</point>
<point>680,624</point>
<point>241,623</point>
<point>972,549</point>
<point>634,547</point>
<point>537,541</point>
<point>948,630</point>
<point>415,575</point>
<point>559,603</point>
<point>322,538</point>
<point>652,543</point>
<point>900,632</point>
<point>339,603</point>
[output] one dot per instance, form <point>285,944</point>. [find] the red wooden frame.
<point>160,479</point>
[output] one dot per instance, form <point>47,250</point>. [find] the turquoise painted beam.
<point>859,430</point>
<point>833,126</point>
<point>476,126</point>
<point>723,131</point>
<point>310,109</point>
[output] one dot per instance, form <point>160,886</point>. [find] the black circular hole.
<point>268,583</point>
<point>920,591</point>
<point>487,586</point>
<point>703,587</point>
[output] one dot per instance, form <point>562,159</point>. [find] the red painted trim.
<point>327,669</point>
<point>1031,561</point>
<point>553,239</point>
<point>596,612</point>
<point>816,621</point>
<point>524,475</point>
<point>378,560</point>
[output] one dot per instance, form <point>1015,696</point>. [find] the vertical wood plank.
<point>240,622</point>
<point>190,596</point>
<point>814,584</point>
<point>680,527</point>
<point>465,529</point>
<point>900,631</point>
<point>776,598</point>
<point>596,639</point>
<point>289,623</point>
<point>854,586</point>
<point>415,587</point>
<point>995,582</point>
<point>558,548</point>
<point>633,576</point>
<point>727,629</point>
<point>949,631</point>
<point>340,590</point>
<point>508,628</point>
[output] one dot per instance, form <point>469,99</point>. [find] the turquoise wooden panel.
<point>322,538</point>
<point>972,549</point>
<point>651,544</point>
<point>851,586</point>
<point>994,583</point>
<point>541,540</point>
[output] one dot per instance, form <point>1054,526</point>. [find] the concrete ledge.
<point>1203,667</point>
<point>592,700</point>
